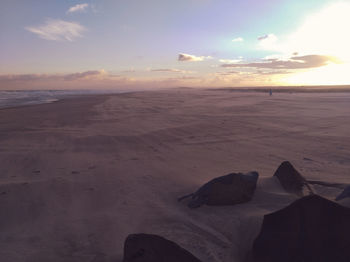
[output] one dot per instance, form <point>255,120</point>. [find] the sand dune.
<point>79,175</point>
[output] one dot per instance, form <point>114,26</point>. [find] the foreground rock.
<point>291,180</point>
<point>153,248</point>
<point>311,229</point>
<point>231,189</point>
<point>344,194</point>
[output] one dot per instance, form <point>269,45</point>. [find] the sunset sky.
<point>46,44</point>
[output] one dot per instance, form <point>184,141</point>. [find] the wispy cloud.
<point>230,61</point>
<point>238,39</point>
<point>192,58</point>
<point>273,72</point>
<point>78,8</point>
<point>170,70</point>
<point>58,30</point>
<point>85,75</point>
<point>92,74</point>
<point>131,70</point>
<point>260,38</point>
<point>295,62</point>
<point>86,80</point>
<point>229,73</point>
<point>267,41</point>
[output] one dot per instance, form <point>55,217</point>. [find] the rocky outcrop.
<point>153,248</point>
<point>311,229</point>
<point>291,180</point>
<point>231,189</point>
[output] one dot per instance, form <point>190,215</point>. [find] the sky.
<point>103,44</point>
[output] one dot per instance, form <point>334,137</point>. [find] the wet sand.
<point>77,176</point>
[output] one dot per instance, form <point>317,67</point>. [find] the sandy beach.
<point>79,175</point>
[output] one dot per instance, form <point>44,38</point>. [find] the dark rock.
<point>311,229</point>
<point>344,194</point>
<point>291,180</point>
<point>153,248</point>
<point>231,189</point>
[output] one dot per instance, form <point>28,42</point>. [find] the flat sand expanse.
<point>79,175</point>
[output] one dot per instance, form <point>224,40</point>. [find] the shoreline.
<point>53,99</point>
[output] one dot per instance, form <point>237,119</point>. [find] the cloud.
<point>85,75</point>
<point>166,70</point>
<point>93,79</point>
<point>229,73</point>
<point>78,8</point>
<point>92,74</point>
<point>295,62</point>
<point>171,70</point>
<point>274,72</point>
<point>183,78</point>
<point>263,37</point>
<point>238,39</point>
<point>192,58</point>
<point>24,77</point>
<point>129,71</point>
<point>230,61</point>
<point>58,30</point>
<point>267,41</point>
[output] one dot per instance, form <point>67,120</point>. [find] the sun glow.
<point>333,74</point>
<point>323,33</point>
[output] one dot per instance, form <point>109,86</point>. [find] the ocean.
<point>34,97</point>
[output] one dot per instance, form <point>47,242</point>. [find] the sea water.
<point>22,98</point>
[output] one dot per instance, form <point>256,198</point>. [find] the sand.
<point>78,175</point>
